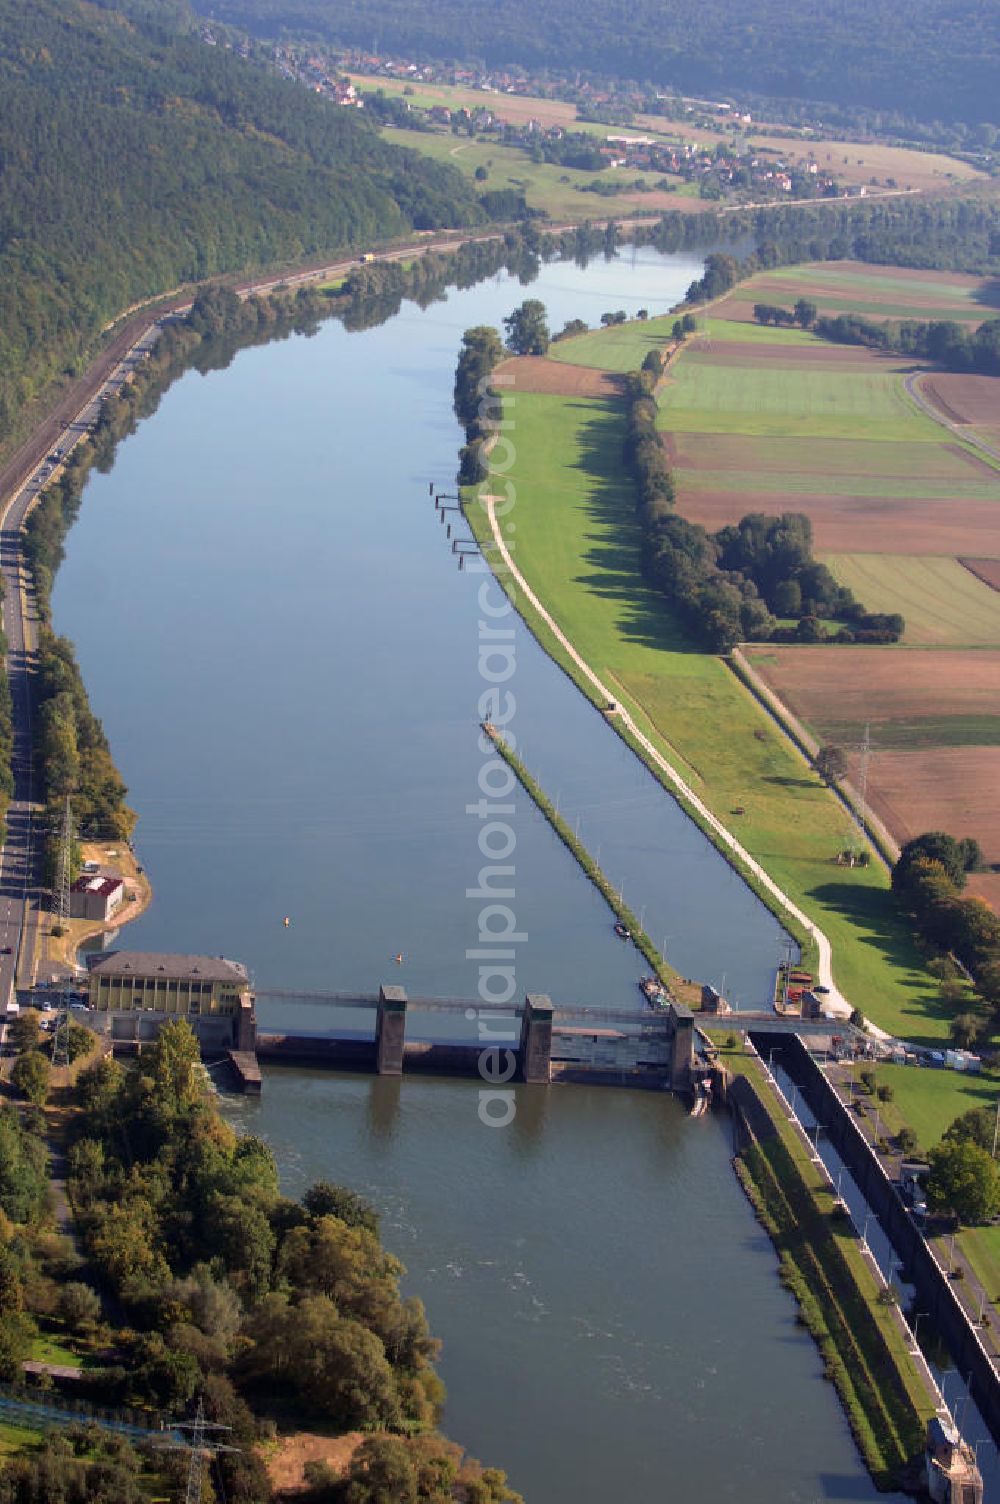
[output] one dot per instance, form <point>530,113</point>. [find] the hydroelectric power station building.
<point>141,990</point>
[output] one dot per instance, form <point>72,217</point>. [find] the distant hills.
<point>133,157</point>
<point>929,59</point>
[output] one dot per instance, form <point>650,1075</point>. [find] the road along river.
<point>288,664</point>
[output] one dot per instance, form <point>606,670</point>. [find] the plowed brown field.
<point>535,373</point>
<point>746,353</point>
<point>863,524</point>
<point>921,697</point>
<point>987,570</point>
<point>829,686</point>
<point>964,399</point>
<point>937,788</point>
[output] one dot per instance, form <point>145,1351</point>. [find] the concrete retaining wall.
<point>935,1292</point>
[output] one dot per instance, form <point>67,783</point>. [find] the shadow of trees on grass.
<point>613,560</point>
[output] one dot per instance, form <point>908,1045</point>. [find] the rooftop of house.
<point>103,885</point>
<point>147,963</point>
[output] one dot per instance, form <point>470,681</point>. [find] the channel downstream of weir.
<point>273,630</point>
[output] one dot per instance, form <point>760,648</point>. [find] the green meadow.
<point>545,185</point>
<point>620,348</point>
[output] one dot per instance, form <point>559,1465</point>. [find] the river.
<point>272,627</point>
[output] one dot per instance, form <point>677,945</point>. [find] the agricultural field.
<point>944,604</point>
<point>578,544</point>
<point>911,697</point>
<point>904,513</point>
<point>970,403</point>
<point>852,163</point>
<point>871,291</point>
<point>792,398</point>
<point>774,424</point>
<point>934,723</point>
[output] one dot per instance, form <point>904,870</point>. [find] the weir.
<point>534,1042</point>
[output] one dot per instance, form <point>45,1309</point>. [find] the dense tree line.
<point>958,233</point>
<point>730,586</point>
<point>946,343</point>
<point>136,158</point>
<point>944,64</point>
<point>263,1305</point>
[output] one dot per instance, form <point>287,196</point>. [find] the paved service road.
<point>19,895</point>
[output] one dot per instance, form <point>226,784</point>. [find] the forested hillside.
<point>933,59</point>
<point>133,157</point>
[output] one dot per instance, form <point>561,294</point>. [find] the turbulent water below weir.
<point>273,630</point>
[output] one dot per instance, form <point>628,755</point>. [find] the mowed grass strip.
<point>877,487</point>
<point>727,331</point>
<point>944,604</point>
<point>577,542</point>
<point>791,402</point>
<point>850,457</point>
<point>623,347</point>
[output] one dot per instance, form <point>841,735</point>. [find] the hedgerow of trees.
<point>946,343</point>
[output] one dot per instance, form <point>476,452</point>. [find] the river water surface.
<point>274,632</point>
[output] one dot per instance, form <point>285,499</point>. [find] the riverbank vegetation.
<point>275,1312</point>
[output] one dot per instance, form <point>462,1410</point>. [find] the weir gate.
<point>533,1042</point>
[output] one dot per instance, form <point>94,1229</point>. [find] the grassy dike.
<point>576,540</point>
<point>678,987</point>
<point>864,1350</point>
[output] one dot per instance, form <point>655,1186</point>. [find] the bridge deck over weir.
<point>533,1039</point>
<point>576,1015</point>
